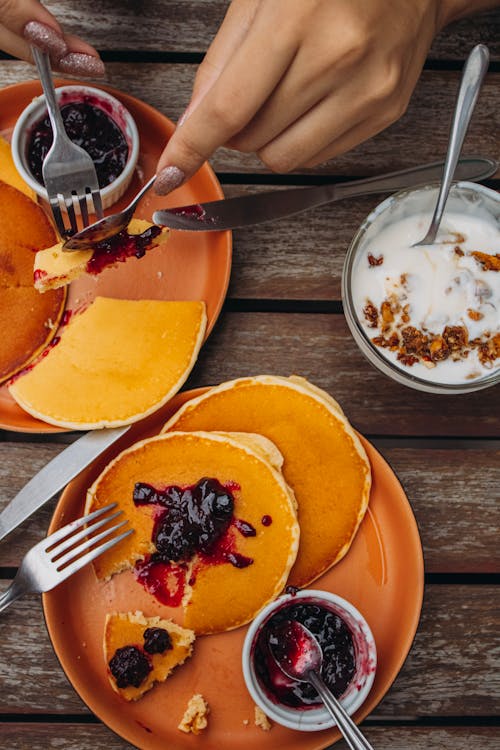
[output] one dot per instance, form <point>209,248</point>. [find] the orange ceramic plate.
<point>382,575</point>
<point>191,266</point>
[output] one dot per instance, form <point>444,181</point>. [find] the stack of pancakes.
<point>29,319</point>
<point>288,449</point>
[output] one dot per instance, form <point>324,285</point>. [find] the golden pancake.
<point>116,362</point>
<point>215,524</point>
<point>140,651</point>
<point>9,173</point>
<point>29,322</point>
<point>324,461</point>
<point>55,267</point>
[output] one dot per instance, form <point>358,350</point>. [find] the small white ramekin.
<point>37,109</point>
<point>313,719</point>
<point>466,198</point>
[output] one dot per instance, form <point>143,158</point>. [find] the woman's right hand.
<point>27,22</point>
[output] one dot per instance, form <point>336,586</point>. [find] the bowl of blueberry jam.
<point>94,120</point>
<point>349,658</point>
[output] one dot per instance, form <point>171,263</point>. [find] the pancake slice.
<point>324,461</point>
<point>116,362</point>
<point>55,267</point>
<point>140,651</point>
<point>209,510</point>
<point>29,322</point>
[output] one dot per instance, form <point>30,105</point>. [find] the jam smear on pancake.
<point>188,521</point>
<point>118,248</point>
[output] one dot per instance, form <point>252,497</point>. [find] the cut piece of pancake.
<point>9,173</point>
<point>140,651</point>
<point>116,362</point>
<point>324,461</point>
<point>224,577</point>
<point>29,322</point>
<point>55,267</point>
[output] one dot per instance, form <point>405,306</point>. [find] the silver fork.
<point>57,557</point>
<point>68,171</point>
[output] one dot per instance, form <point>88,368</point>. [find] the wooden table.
<point>283,315</point>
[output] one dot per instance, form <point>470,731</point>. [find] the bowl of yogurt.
<point>428,317</point>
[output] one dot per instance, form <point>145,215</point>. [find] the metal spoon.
<point>298,654</point>
<point>108,226</point>
<point>473,73</point>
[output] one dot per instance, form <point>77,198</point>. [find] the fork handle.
<point>14,591</point>
<point>42,62</point>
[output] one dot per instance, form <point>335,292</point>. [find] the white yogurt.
<point>432,289</point>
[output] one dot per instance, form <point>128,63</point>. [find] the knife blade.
<point>246,210</point>
<point>55,475</point>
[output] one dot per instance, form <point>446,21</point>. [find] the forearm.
<point>453,10</point>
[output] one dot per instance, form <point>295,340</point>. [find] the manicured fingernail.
<point>168,179</point>
<point>45,38</point>
<point>79,64</point>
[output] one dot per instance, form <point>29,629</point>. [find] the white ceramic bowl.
<point>466,199</point>
<point>37,109</point>
<point>313,719</point>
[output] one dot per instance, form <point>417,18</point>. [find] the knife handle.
<point>469,168</point>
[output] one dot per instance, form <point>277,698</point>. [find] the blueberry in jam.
<point>194,519</point>
<point>157,640</point>
<point>129,666</point>
<point>339,655</point>
<point>89,127</point>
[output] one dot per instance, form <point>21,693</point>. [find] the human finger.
<point>230,35</point>
<point>235,97</point>
<point>28,22</point>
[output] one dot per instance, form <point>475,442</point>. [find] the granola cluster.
<point>414,345</point>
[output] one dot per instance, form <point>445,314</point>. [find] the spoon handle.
<point>474,70</point>
<point>350,731</point>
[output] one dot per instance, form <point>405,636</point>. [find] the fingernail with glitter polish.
<point>168,179</point>
<point>78,64</point>
<point>45,38</point>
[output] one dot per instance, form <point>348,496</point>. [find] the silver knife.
<point>247,210</point>
<point>55,475</point>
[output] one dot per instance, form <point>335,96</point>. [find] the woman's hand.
<point>300,81</point>
<point>27,22</point>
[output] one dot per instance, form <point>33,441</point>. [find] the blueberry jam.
<point>157,640</point>
<point>194,518</point>
<point>120,247</point>
<point>188,521</point>
<point>89,127</point>
<point>337,644</point>
<point>129,666</point>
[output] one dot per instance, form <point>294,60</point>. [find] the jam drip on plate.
<point>120,247</point>
<point>339,655</point>
<point>188,521</point>
<point>89,127</point>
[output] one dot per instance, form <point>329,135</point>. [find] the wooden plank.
<point>38,736</point>
<point>450,490</point>
<point>171,26</point>
<point>452,670</point>
<point>419,136</point>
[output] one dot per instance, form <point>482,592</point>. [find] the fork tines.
<point>65,550</point>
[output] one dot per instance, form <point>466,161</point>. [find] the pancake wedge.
<point>116,362</point>
<point>216,532</point>
<point>324,461</point>
<point>55,267</point>
<point>29,322</point>
<point>140,651</point>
